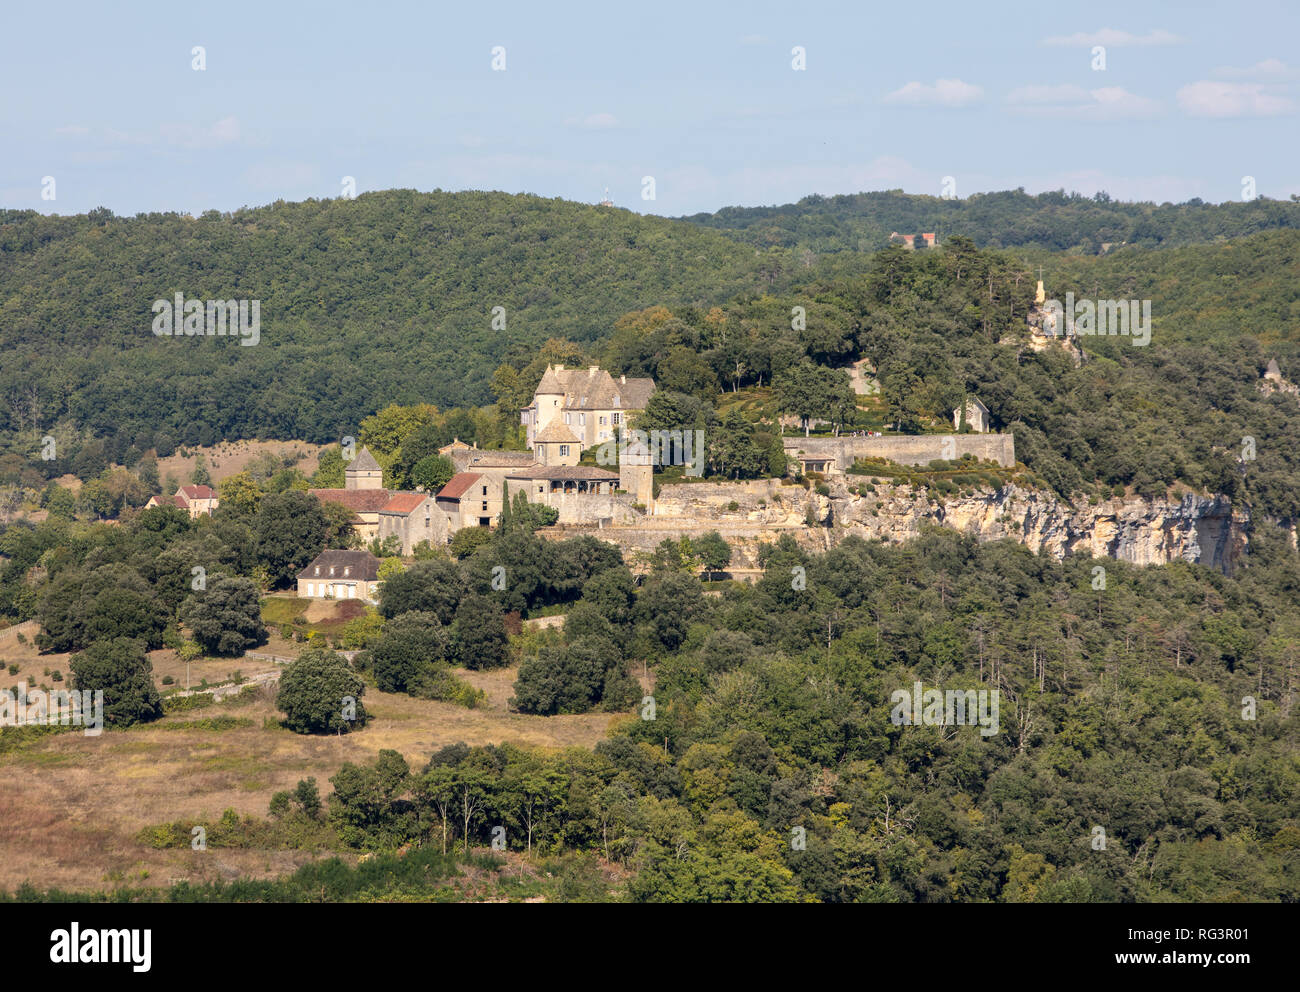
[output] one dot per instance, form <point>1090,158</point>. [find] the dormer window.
<point>331,570</point>
<point>584,401</point>
<point>347,571</point>
<point>318,570</point>
<point>616,402</point>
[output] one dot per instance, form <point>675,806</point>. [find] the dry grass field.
<point>231,457</point>
<point>71,804</point>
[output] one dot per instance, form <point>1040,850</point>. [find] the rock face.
<point>1205,530</point>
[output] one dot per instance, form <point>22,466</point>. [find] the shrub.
<point>313,690</point>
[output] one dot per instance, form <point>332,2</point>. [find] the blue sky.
<point>703,97</point>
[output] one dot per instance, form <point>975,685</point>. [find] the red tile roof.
<point>199,492</point>
<point>356,500</point>
<point>404,503</point>
<point>458,485</point>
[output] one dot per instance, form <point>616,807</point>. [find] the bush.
<point>313,691</point>
<point>168,680</point>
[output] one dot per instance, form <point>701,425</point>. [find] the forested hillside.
<point>1057,221</point>
<point>389,299</point>
<point>385,298</point>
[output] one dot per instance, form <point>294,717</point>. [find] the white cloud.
<point>944,93</point>
<point>593,121</point>
<point>1107,103</point>
<point>1212,98</point>
<point>1113,38</point>
<point>1269,69</point>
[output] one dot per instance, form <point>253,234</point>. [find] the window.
<point>485,490</point>
<point>311,589</point>
<point>616,415</point>
<point>485,506</point>
<point>582,420</point>
<point>564,450</point>
<point>318,570</point>
<point>347,571</point>
<point>568,418</point>
<point>602,421</point>
<point>541,488</point>
<point>616,403</point>
<point>331,570</point>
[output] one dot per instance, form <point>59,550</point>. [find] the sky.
<point>103,104</point>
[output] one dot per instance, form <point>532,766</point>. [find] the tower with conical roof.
<point>363,472</point>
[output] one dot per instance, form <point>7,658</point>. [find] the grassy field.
<point>72,804</point>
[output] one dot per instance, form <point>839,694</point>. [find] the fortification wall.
<point>916,449</point>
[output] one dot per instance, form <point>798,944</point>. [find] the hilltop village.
<point>594,471</point>
<point>572,412</point>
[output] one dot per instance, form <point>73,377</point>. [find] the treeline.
<point>1054,221</point>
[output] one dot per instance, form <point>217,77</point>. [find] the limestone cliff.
<point>1206,530</point>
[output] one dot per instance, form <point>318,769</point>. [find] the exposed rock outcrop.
<point>1205,530</point>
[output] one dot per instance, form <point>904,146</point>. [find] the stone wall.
<point>912,449</point>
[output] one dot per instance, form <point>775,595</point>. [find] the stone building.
<point>636,472</point>
<point>363,472</point>
<point>590,403</point>
<point>579,493</point>
<point>365,505</point>
<point>413,518</point>
<point>556,444</point>
<point>363,493</point>
<point>977,416</point>
<point>197,501</point>
<point>470,499</point>
<point>340,575</point>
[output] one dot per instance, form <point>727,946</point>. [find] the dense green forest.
<point>388,297</point>
<point>1145,746</point>
<point>1155,706</point>
<point>1055,221</point>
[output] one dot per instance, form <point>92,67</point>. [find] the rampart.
<point>839,453</point>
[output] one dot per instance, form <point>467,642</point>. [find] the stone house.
<point>469,499</point>
<point>341,575</point>
<point>197,501</point>
<point>365,505</point>
<point>591,404</point>
<point>412,518</point>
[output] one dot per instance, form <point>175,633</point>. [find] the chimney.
<point>623,379</point>
<point>592,370</point>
